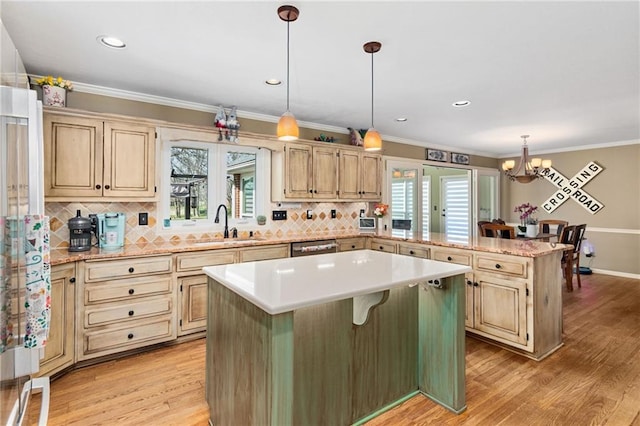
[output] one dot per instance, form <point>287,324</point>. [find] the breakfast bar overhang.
<point>332,339</point>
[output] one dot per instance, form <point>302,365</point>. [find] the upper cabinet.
<point>308,172</point>
<point>87,158</point>
<point>359,175</point>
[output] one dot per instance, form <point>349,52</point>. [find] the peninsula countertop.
<point>282,285</point>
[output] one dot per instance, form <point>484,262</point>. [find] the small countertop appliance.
<point>80,229</point>
<point>111,230</point>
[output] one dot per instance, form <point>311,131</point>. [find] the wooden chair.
<point>574,255</point>
<point>498,221</point>
<point>480,223</point>
<point>544,226</point>
<point>496,230</point>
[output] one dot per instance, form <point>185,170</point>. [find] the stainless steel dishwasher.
<point>309,248</point>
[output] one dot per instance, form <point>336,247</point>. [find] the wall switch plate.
<point>143,218</point>
<point>333,213</point>
<point>309,214</point>
<point>361,212</point>
<point>279,215</point>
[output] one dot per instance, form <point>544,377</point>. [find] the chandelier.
<point>531,168</point>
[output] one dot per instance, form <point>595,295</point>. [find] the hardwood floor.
<point>593,380</point>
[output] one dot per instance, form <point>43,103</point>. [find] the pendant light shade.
<point>372,140</point>
<point>288,126</point>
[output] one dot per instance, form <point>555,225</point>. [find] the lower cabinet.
<point>349,244</point>
<point>192,283</point>
<point>117,314</point>
<point>59,350</point>
<point>382,245</point>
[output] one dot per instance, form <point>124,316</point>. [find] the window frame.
<point>216,190</point>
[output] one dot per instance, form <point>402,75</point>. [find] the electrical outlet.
<point>309,214</point>
<point>333,213</point>
<point>361,212</point>
<point>279,215</point>
<point>143,218</point>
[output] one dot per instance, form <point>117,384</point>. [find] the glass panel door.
<point>456,206</point>
<point>487,196</point>
<point>404,196</point>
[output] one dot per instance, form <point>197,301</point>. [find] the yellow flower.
<point>57,81</point>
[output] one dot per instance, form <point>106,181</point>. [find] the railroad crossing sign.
<point>572,188</point>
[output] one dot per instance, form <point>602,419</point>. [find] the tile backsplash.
<point>296,223</point>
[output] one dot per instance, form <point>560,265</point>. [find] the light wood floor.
<point>593,380</point>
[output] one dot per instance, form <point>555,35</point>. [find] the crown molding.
<point>576,148</point>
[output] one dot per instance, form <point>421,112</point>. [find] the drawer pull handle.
<point>131,291</point>
<point>107,187</point>
<point>411,252</point>
<point>469,282</point>
<point>381,248</point>
<point>98,187</point>
<point>498,266</point>
<point>353,246</point>
<point>131,270</point>
<point>449,258</point>
<point>130,336</point>
<point>476,284</point>
<point>72,280</point>
<point>130,313</point>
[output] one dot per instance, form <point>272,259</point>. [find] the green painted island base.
<point>313,366</point>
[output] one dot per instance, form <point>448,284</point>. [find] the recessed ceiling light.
<point>273,82</point>
<point>401,119</point>
<point>460,104</point>
<point>113,42</point>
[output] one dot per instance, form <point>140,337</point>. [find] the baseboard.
<point>616,273</point>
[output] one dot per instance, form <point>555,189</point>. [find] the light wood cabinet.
<point>59,350</point>
<point>87,158</point>
<point>348,244</point>
<point>124,304</point>
<point>304,171</point>
<point>192,283</point>
<point>382,245</point>
<point>415,250</point>
<point>359,175</point>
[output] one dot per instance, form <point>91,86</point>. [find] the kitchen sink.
<point>228,241</point>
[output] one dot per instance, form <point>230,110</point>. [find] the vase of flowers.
<point>527,218</point>
<point>379,211</point>
<point>54,90</point>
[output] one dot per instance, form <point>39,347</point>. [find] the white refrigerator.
<point>24,255</point>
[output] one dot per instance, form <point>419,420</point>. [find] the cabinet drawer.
<point>197,261</point>
<point>264,253</point>
<point>382,245</point>
<point>413,250</point>
<point>461,258</point>
<point>110,313</point>
<point>133,288</point>
<point>129,337</point>
<point>351,244</point>
<point>111,269</point>
<point>502,265</point>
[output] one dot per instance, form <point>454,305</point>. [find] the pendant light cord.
<point>287,65</point>
<point>372,126</point>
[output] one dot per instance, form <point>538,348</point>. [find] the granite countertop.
<point>282,285</point>
<point>523,248</point>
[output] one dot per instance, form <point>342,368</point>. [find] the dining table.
<point>543,236</point>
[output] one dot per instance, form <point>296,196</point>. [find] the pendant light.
<point>288,126</point>
<point>532,168</point>
<point>372,140</point>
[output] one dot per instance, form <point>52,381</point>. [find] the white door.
<point>455,199</point>
<point>487,196</point>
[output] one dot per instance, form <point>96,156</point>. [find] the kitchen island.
<point>332,339</point>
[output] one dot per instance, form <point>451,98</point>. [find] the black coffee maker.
<point>80,229</point>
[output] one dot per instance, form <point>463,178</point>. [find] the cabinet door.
<point>349,175</point>
<point>501,308</point>
<point>325,173</point>
<point>72,156</point>
<point>193,304</point>
<point>129,160</point>
<point>371,176</point>
<point>58,353</point>
<point>297,171</point>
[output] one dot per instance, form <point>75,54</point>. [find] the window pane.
<point>189,185</point>
<point>241,172</point>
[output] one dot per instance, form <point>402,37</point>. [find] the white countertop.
<point>282,285</point>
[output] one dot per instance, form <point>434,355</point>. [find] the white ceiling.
<point>567,72</point>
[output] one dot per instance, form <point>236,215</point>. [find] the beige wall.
<point>615,229</point>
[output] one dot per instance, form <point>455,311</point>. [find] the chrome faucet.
<point>217,220</point>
